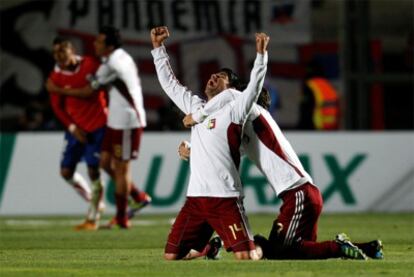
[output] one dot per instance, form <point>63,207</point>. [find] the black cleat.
<point>263,243</point>
<point>215,246</point>
<point>373,249</point>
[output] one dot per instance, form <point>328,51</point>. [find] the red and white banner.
<point>285,20</point>
<point>205,36</point>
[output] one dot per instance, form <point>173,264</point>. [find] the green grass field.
<point>47,246</point>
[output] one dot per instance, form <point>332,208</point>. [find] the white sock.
<point>96,202</point>
<point>81,186</point>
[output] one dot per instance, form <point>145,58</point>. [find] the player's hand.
<point>184,151</point>
<point>158,35</point>
<point>262,40</point>
<point>188,121</point>
<point>78,133</point>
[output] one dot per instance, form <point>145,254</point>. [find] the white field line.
<point>72,222</point>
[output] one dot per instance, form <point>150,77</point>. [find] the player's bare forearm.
<point>78,133</point>
<point>77,92</point>
<point>84,92</point>
<point>52,87</point>
<point>159,35</point>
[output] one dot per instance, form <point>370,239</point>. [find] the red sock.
<point>319,250</point>
<point>136,194</point>
<point>121,208</point>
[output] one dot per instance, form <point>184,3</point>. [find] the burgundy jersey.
<point>88,113</point>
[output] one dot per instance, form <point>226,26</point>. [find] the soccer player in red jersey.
<point>84,120</point>
<point>126,119</point>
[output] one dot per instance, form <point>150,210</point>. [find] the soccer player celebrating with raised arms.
<point>214,195</point>
<point>84,119</point>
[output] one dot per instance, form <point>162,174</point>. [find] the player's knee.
<point>242,255</point>
<point>66,173</point>
<point>170,256</point>
<point>93,172</point>
<point>107,168</point>
<point>105,162</point>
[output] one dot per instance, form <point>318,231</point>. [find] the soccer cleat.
<point>215,246</point>
<point>348,250</point>
<point>373,249</point>
<point>88,225</point>
<point>262,242</point>
<point>114,224</point>
<point>135,206</point>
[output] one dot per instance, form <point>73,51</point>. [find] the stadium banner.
<point>205,36</point>
<point>288,21</point>
<point>355,172</point>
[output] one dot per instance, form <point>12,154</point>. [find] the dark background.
<point>377,87</point>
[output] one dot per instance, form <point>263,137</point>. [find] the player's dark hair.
<point>234,80</point>
<point>112,36</point>
<point>264,99</point>
<point>60,40</point>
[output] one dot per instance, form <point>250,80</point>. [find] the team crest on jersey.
<point>211,123</point>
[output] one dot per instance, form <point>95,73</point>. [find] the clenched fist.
<point>158,35</point>
<point>262,40</point>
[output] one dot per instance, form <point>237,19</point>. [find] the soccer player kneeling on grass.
<point>214,196</point>
<point>294,232</point>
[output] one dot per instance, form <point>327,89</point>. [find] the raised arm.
<point>245,101</point>
<point>249,96</point>
<point>185,100</point>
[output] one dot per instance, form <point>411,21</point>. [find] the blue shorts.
<point>74,151</point>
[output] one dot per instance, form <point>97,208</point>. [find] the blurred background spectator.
<point>319,105</point>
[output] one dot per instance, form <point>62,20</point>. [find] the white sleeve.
<point>245,101</point>
<point>179,94</point>
<point>254,112</point>
<point>104,75</point>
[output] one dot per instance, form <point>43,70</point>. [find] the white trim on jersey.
<point>297,215</point>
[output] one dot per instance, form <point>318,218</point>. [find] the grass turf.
<point>48,246</point>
